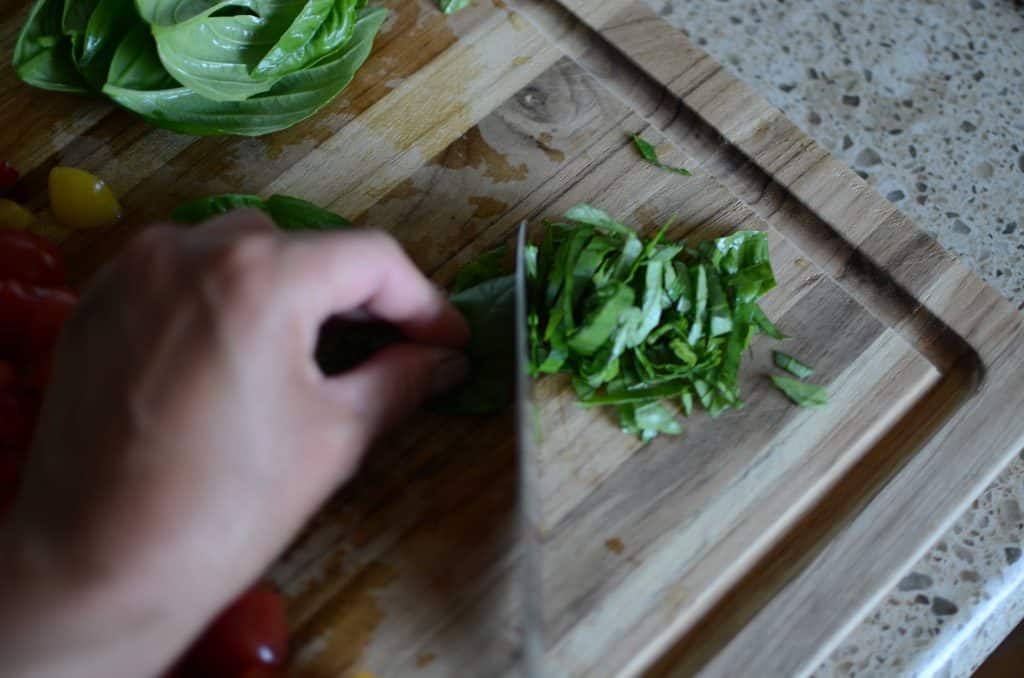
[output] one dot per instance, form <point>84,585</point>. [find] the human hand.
<point>188,432</point>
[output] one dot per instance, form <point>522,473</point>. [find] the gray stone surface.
<point>924,98</point>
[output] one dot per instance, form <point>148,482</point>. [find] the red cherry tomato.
<point>8,481</point>
<point>31,317</point>
<point>8,376</point>
<point>8,177</point>
<point>251,631</point>
<point>15,425</point>
<point>31,259</point>
<point>35,374</point>
<point>52,308</point>
<point>260,671</point>
<point>16,301</point>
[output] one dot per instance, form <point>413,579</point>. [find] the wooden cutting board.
<point>755,540</point>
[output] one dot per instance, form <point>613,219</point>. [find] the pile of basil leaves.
<point>639,322</point>
<point>246,67</point>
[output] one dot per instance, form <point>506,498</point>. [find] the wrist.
<point>57,622</point>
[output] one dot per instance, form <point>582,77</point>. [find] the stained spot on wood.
<point>615,545</point>
<point>544,144</point>
<point>425,659</point>
<point>472,150</point>
<point>406,189</point>
<point>350,616</point>
<point>305,602</point>
<point>520,60</point>
<point>485,207</point>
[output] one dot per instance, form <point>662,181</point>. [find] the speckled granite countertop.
<point>923,98</point>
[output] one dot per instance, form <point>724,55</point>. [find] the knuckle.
<point>382,240</point>
<point>239,276</point>
<point>152,245</point>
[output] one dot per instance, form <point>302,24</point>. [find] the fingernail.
<point>449,371</point>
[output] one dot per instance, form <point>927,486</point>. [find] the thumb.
<point>394,382</point>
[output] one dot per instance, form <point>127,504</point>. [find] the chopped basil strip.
<point>800,392</point>
<point>650,155</point>
<point>787,362</point>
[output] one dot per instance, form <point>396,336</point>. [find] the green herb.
<point>651,156</point>
<point>639,322</point>
<point>290,214</point>
<point>42,55</point>
<point>801,393</point>
<point>293,214</point>
<point>204,208</point>
<point>200,67</point>
<point>452,6</point>
<point>765,326</point>
<point>489,309</point>
<point>792,365</point>
<point>487,266</point>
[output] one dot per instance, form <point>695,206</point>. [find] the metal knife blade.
<point>528,469</point>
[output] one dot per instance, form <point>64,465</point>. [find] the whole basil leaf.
<point>42,54</point>
<point>299,46</point>
<point>294,214</point>
<point>288,213</point>
<point>295,97</point>
<point>202,209</point>
<point>135,64</point>
<point>74,21</point>
<point>105,30</point>
<point>215,55</point>
<point>291,51</point>
<point>489,309</point>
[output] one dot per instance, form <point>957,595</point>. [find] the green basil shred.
<point>787,362</point>
<point>801,393</point>
<point>453,6</point>
<point>650,155</point>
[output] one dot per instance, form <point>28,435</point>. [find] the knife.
<point>532,619</point>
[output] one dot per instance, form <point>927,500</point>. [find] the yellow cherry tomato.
<point>13,215</point>
<point>82,200</point>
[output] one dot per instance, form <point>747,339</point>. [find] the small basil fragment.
<point>452,6</point>
<point>787,362</point>
<point>800,392</point>
<point>649,154</point>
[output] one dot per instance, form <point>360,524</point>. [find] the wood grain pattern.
<point>753,540</point>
